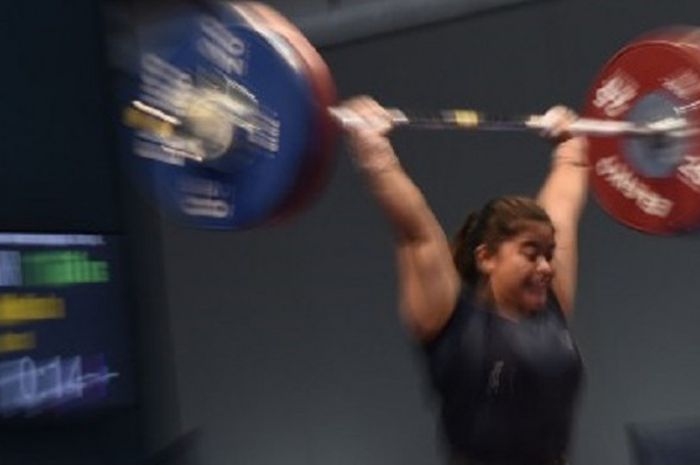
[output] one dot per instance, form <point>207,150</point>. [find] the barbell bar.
<point>476,120</point>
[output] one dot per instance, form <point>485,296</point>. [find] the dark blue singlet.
<point>507,389</point>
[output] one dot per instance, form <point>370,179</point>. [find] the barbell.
<point>230,120</point>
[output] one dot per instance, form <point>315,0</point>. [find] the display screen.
<point>64,326</point>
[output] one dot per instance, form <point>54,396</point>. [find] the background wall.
<point>282,345</point>
<point>56,173</point>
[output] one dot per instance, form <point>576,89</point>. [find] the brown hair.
<point>499,220</point>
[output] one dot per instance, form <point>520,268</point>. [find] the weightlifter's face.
<point>521,269</point>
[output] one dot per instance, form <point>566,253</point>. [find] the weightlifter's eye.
<point>530,252</point>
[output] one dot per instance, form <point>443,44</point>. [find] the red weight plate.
<point>319,159</point>
<point>650,185</point>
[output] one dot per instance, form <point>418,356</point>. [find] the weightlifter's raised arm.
<point>563,196</point>
<point>428,280</point>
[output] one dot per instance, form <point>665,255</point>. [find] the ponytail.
<point>464,245</point>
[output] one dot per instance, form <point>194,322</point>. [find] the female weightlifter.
<point>490,308</point>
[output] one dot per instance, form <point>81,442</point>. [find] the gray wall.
<point>285,341</point>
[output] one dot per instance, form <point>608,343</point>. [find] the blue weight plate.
<point>320,159</point>
<point>209,86</point>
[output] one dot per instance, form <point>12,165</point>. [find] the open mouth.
<point>537,291</point>
<point>538,285</point>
